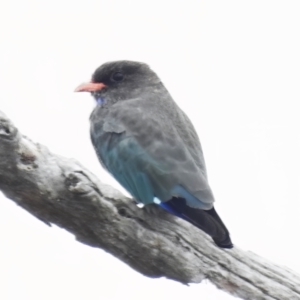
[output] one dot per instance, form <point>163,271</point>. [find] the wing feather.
<point>148,156</point>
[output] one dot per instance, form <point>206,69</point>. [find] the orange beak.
<point>90,87</point>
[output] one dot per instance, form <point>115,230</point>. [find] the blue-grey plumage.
<point>150,146</point>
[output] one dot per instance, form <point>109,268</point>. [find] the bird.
<point>149,145</point>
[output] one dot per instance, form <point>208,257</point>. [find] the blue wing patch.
<point>191,200</point>
<point>123,160</point>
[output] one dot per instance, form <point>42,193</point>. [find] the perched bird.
<point>150,146</point>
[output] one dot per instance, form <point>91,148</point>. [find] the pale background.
<point>233,66</point>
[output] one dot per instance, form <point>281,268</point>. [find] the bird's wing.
<point>148,157</point>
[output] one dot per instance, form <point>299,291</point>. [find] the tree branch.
<point>60,191</point>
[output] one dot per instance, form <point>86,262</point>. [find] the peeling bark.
<point>60,191</point>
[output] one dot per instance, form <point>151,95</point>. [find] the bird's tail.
<point>206,220</point>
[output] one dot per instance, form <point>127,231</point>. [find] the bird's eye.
<point>117,76</point>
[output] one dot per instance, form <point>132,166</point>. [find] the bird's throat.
<point>100,101</point>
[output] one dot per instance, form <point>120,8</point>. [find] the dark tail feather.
<point>226,241</point>
<point>207,220</point>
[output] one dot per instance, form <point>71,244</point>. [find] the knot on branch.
<point>7,130</point>
<point>78,183</point>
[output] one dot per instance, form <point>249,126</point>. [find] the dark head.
<point>120,80</point>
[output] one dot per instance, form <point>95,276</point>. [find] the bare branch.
<point>60,191</point>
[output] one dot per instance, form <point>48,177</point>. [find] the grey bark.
<point>60,191</point>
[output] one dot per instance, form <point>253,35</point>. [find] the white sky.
<point>233,66</point>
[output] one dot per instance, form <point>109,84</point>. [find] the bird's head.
<point>119,80</point>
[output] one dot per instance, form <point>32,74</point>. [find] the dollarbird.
<point>149,145</point>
